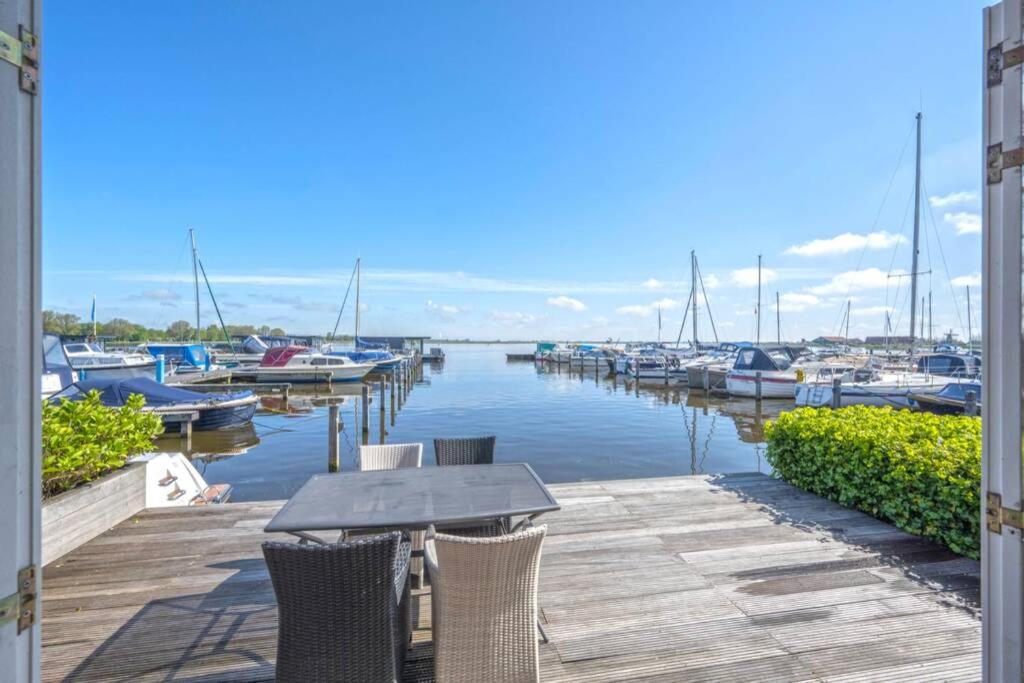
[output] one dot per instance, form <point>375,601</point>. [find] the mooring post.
<point>666,371</point>
<point>392,377</point>
<point>382,404</point>
<point>366,410</point>
<point>757,385</point>
<point>970,403</point>
<point>333,447</point>
<point>160,368</point>
<point>705,378</point>
<point>837,393</point>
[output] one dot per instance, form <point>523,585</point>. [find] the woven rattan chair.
<point>343,610</point>
<point>392,457</point>
<point>472,451</point>
<point>484,607</point>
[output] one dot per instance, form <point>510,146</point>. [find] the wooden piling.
<point>970,403</point>
<point>366,410</point>
<point>757,385</point>
<point>837,393</point>
<point>382,410</point>
<point>333,446</point>
<point>705,378</point>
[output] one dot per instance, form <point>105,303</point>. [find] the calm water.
<point>569,427</point>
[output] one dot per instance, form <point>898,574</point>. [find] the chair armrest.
<point>402,559</point>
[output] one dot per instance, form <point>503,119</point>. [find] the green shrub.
<point>919,471</point>
<point>83,440</point>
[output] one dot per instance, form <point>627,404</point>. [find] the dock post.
<point>392,377</point>
<point>837,393</point>
<point>666,372</point>
<point>366,410</point>
<point>382,411</point>
<point>160,368</point>
<point>333,447</point>
<point>757,385</point>
<point>970,403</point>
<point>705,378</point>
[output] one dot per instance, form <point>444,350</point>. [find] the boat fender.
<point>799,375</point>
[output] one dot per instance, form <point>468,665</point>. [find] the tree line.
<point>71,325</point>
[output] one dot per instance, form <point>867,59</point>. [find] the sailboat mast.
<point>917,237</point>
<point>931,328</point>
<point>195,276</point>
<point>693,288</point>
<point>847,322</point>
<point>970,335</point>
<point>355,341</point>
<point>778,319</point>
<point>758,298</point>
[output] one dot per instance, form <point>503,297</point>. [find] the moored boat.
<point>756,372</point>
<point>302,364</point>
<point>92,362</point>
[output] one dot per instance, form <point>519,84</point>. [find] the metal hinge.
<point>22,52</point>
<point>996,515</point>
<point>998,61</point>
<point>21,605</point>
<point>997,161</point>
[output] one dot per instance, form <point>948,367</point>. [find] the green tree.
<point>61,323</point>
<point>119,328</point>
<point>180,330</point>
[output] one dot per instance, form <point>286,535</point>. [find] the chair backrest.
<point>390,456</point>
<point>492,584</point>
<point>468,451</point>
<point>336,609</point>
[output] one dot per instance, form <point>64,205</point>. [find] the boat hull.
<point>116,371</point>
<point>773,384</point>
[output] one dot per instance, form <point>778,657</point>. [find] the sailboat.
<point>380,360</point>
<point>870,386</point>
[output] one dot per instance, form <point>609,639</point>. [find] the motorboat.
<point>215,411</point>
<point>181,357</point>
<point>302,364</point>
<point>758,372</point>
<point>92,362</point>
<point>956,398</point>
<point>57,372</point>
<point>865,386</point>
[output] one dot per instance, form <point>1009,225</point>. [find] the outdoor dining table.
<point>413,498</point>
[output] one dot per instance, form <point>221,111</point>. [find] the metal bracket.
<point>23,53</point>
<point>997,62</point>
<point>21,606</point>
<point>996,515</point>
<point>997,161</point>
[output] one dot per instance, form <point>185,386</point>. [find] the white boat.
<point>57,372</point>
<point>301,364</point>
<point>92,362</point>
<point>876,389</point>
<point>755,367</point>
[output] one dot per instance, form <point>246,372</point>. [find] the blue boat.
<point>950,400</point>
<point>182,357</point>
<point>216,411</point>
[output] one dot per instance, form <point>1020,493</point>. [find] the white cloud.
<point>953,199</point>
<point>645,310</point>
<point>514,318</point>
<point>845,243</point>
<point>747,277</point>
<point>964,222</point>
<point>445,312</point>
<point>653,284</point>
<point>871,310</point>
<point>854,280</point>
<point>161,295</point>
<point>967,280</point>
<point>796,302</point>
<point>567,302</point>
<point>711,281</point>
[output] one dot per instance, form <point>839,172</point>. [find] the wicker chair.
<point>390,456</point>
<point>343,610</point>
<point>472,451</point>
<point>477,450</point>
<point>484,607</point>
<point>393,457</point>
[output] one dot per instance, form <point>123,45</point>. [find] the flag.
<point>92,312</point>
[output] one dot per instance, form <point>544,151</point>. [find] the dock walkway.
<point>704,578</point>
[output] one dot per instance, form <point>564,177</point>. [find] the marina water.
<point>569,425</point>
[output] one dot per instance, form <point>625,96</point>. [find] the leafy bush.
<point>83,440</point>
<point>919,471</point>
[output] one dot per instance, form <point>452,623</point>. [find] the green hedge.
<point>919,471</point>
<point>83,440</point>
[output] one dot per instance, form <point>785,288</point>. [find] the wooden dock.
<point>706,578</point>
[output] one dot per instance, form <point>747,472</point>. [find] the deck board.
<point>705,578</point>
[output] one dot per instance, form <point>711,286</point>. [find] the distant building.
<point>834,341</point>
<point>888,340</point>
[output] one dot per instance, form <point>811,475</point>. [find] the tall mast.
<point>922,317</point>
<point>778,319</point>
<point>970,335</point>
<point>931,329</point>
<point>848,323</point>
<point>355,342</point>
<point>659,323</point>
<point>693,288</point>
<point>195,276</point>
<point>917,235</point>
<point>758,298</point>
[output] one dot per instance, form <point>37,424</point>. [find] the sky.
<point>513,170</point>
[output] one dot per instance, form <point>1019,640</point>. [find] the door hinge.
<point>998,61</point>
<point>21,606</point>
<point>22,52</point>
<point>996,515</point>
<point>997,161</point>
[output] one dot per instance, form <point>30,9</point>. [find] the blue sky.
<point>512,170</point>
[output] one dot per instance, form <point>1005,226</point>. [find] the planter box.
<point>81,514</point>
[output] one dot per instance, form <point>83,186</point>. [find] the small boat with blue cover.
<point>216,411</point>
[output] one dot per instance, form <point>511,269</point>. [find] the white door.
<point>1002,594</point>
<point>20,343</point>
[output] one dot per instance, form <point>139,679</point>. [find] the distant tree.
<point>180,330</point>
<point>61,323</point>
<point>119,328</point>
<point>277,332</point>
<point>263,329</point>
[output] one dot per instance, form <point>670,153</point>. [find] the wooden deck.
<point>723,578</point>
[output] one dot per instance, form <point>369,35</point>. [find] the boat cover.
<point>756,358</point>
<point>55,359</point>
<point>278,357</point>
<point>253,344</point>
<point>115,392</point>
<point>183,354</point>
